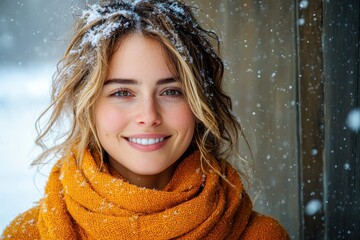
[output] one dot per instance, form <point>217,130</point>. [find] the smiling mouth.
<point>146,141</point>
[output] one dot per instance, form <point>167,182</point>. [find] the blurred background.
<point>33,36</point>
<point>267,70</point>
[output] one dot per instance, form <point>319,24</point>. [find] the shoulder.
<point>24,226</point>
<point>264,227</point>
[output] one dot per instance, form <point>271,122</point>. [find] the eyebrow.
<point>135,82</point>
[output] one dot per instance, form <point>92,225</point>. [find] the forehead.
<point>139,55</point>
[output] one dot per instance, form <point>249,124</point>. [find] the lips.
<point>146,142</point>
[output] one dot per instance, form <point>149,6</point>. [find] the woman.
<point>150,130</point>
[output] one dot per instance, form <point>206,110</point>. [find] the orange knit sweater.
<point>91,203</point>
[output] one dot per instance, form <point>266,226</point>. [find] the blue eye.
<point>122,94</point>
<point>172,92</point>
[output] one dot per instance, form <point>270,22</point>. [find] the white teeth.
<point>146,141</point>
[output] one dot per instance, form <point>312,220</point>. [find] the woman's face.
<point>143,120</point>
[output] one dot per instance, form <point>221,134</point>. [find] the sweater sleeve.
<point>264,228</point>
<point>23,226</point>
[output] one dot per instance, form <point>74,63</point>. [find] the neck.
<point>157,181</point>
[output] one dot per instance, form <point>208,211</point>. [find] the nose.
<point>148,113</point>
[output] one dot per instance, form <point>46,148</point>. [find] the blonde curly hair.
<point>82,70</point>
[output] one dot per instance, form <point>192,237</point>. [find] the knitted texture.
<point>91,203</point>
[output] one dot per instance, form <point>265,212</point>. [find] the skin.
<point>142,103</point>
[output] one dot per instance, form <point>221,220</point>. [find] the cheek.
<point>108,119</point>
<point>183,118</point>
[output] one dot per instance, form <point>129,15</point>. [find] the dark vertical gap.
<point>298,121</point>
<point>342,73</point>
<point>311,117</point>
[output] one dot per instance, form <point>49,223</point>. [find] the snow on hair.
<point>105,19</point>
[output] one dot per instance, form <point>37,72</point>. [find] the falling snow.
<point>312,207</point>
<point>353,120</point>
<point>304,4</point>
<point>261,78</point>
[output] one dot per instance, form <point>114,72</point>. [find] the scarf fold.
<point>91,203</point>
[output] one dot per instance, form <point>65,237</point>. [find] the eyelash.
<point>122,91</point>
<point>173,89</point>
<point>125,93</point>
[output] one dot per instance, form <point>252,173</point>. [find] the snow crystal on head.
<point>102,22</point>
<point>175,40</point>
<point>174,7</point>
<point>92,14</point>
<point>180,15</point>
<point>105,28</point>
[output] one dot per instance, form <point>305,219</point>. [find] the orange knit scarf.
<point>93,204</point>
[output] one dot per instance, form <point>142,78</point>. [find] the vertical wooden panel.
<point>311,129</point>
<point>259,48</point>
